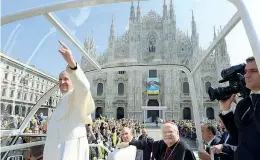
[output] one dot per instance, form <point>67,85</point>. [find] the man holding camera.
<point>244,123</point>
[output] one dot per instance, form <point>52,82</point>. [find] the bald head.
<point>65,83</point>
<point>126,134</point>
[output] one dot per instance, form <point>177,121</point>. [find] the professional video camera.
<point>235,76</point>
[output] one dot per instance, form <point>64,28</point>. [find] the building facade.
<point>154,39</point>
<point>22,86</point>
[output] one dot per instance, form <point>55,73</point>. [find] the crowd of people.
<point>108,133</point>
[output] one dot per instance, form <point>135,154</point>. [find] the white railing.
<point>21,146</point>
<point>32,144</point>
<point>17,157</point>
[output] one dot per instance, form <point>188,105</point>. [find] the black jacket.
<point>243,126</point>
<point>146,152</point>
<point>228,148</point>
<point>215,141</point>
<point>158,149</point>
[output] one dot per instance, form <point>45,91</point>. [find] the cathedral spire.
<point>164,10</point>
<point>92,42</point>
<point>86,42</point>
<point>138,14</point>
<point>193,23</point>
<point>171,11</point>
<point>194,34</point>
<point>215,32</point>
<point>132,12</point>
<point>112,29</point>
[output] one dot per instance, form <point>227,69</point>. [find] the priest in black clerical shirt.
<point>170,148</point>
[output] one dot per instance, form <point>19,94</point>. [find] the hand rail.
<point>32,144</point>
<point>21,146</point>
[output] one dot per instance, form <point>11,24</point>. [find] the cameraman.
<point>244,123</point>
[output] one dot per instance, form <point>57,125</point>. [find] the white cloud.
<point>81,17</point>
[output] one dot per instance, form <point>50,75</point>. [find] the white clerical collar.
<point>211,140</point>
<point>258,92</point>
<point>68,92</point>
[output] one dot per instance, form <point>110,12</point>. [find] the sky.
<point>34,40</point>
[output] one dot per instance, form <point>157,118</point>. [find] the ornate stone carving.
<point>99,80</point>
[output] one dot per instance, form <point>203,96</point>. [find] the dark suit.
<point>146,153</point>
<point>139,153</point>
<point>243,126</point>
<point>229,145</point>
<point>215,141</point>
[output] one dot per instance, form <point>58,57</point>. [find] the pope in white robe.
<point>66,133</point>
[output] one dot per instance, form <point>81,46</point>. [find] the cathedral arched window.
<point>121,89</point>
<point>210,113</point>
<point>17,110</point>
<point>152,43</point>
<point>19,95</point>
<point>3,91</point>
<point>31,98</point>
<point>207,85</point>
<point>186,89</point>
<point>6,75</point>
<point>100,89</point>
<point>25,97</point>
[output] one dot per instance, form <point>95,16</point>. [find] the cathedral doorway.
<point>153,113</point>
<point>210,113</point>
<point>9,109</point>
<point>186,113</point>
<point>99,112</point>
<point>120,113</point>
<point>17,110</point>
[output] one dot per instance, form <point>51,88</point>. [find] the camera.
<point>235,76</point>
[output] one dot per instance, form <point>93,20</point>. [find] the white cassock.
<point>66,133</point>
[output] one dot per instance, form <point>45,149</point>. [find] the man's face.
<point>206,135</point>
<point>170,134</point>
<point>65,83</point>
<point>221,124</point>
<point>143,132</point>
<point>126,135</point>
<point>252,76</point>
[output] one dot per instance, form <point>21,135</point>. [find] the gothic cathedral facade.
<point>154,39</point>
